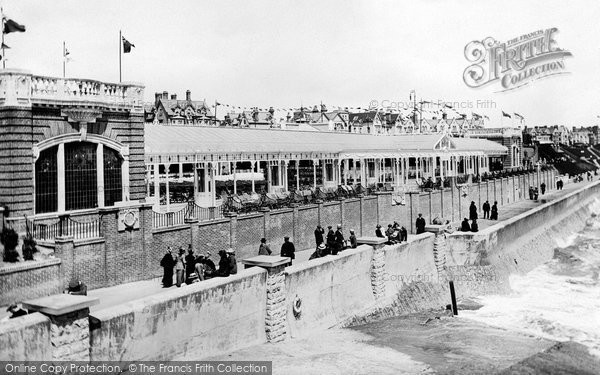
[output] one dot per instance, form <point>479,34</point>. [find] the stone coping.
<point>88,241</point>
<point>8,268</point>
<point>268,261</point>
<point>146,303</point>
<point>299,267</point>
<point>171,228</point>
<point>23,322</point>
<point>371,240</point>
<point>60,304</point>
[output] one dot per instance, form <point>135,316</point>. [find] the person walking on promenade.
<point>232,261</point>
<point>403,234</point>
<point>474,226</point>
<point>167,263</point>
<point>420,224</point>
<point>536,193</point>
<point>339,240</point>
<point>464,226</point>
<point>486,210</point>
<point>223,270</point>
<point>473,211</point>
<point>543,187</point>
<point>190,263</point>
<point>319,232</point>
<point>288,249</point>
<point>353,242</point>
<point>330,239</point>
<point>264,249</point>
<point>378,231</point>
<point>179,267</point>
<point>494,211</point>
<point>531,192</point>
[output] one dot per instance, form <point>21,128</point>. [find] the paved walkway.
<point>115,295</point>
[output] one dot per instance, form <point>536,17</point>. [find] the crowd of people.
<point>394,233</point>
<point>333,242</point>
<point>191,267</point>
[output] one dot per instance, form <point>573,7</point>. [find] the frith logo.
<point>514,63</point>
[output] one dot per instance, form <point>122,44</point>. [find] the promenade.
<point>123,293</point>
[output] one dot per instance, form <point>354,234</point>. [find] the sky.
<point>284,53</point>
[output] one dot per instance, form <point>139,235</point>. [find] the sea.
<point>558,300</point>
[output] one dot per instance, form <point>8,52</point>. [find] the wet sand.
<point>403,345</point>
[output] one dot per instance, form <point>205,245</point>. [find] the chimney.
<point>173,96</point>
<point>157,97</point>
<point>188,95</point>
<point>165,95</point>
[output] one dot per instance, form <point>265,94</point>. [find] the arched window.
<point>77,175</point>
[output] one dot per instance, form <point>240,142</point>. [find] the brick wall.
<point>29,280</point>
<point>306,225</point>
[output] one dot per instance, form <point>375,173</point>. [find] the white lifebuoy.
<point>129,219</point>
<point>297,308</point>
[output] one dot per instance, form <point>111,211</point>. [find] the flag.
<point>519,116</point>
<point>127,45</point>
<point>217,103</point>
<point>447,105</point>
<point>506,114</point>
<point>11,26</point>
<point>4,46</point>
<point>487,118</point>
<point>67,53</point>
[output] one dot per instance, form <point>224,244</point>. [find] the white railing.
<point>22,88</point>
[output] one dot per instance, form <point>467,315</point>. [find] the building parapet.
<point>21,88</point>
<point>499,132</point>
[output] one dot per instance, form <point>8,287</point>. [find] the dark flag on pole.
<point>127,45</point>
<point>11,26</point>
<point>506,114</point>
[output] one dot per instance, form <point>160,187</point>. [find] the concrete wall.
<point>26,338</point>
<point>200,320</point>
<point>332,289</point>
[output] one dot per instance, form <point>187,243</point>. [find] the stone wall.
<point>197,321</point>
<point>26,338</point>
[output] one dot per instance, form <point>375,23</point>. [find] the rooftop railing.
<point>20,88</point>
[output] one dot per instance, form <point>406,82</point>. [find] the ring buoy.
<point>297,308</point>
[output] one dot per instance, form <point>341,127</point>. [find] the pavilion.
<point>339,158</point>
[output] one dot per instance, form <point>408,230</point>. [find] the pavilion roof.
<point>207,141</point>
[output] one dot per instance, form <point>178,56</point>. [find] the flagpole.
<point>120,42</point>
<point>64,61</point>
<point>3,54</point>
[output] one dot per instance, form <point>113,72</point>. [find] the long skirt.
<point>167,279</point>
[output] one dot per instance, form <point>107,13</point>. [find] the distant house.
<point>366,123</point>
<point>254,118</point>
<point>182,112</point>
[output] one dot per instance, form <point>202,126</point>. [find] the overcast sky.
<point>287,53</point>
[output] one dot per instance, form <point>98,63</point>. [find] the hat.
<point>286,237</point>
<point>230,251</point>
<point>181,250</point>
<point>73,284</point>
<point>263,240</point>
<point>11,307</point>
<point>339,226</point>
<point>201,256</point>
<point>351,230</point>
<point>329,226</point>
<point>378,226</point>
<point>319,226</point>
<point>322,246</point>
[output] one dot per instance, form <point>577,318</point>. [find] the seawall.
<point>221,315</point>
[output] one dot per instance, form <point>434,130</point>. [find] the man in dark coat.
<point>353,242</point>
<point>473,211</point>
<point>232,261</point>
<point>190,263</point>
<point>288,249</point>
<point>403,234</point>
<point>378,232</point>
<point>486,210</point>
<point>494,211</point>
<point>339,240</point>
<point>420,224</point>
<point>543,187</point>
<point>474,226</point>
<point>465,227</point>
<point>223,270</point>
<point>330,240</point>
<point>167,263</point>
<point>319,232</point>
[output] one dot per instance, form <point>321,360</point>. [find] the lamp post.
<point>538,175</point>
